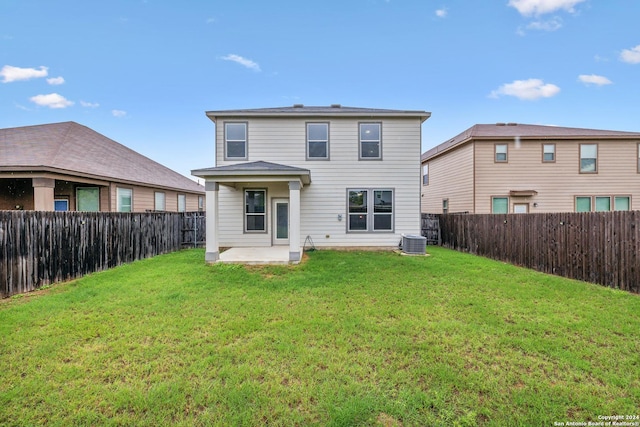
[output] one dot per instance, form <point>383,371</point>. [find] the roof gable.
<point>76,149</point>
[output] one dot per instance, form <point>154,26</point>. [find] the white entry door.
<point>280,221</point>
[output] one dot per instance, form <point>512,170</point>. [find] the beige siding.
<point>283,141</point>
<point>557,183</point>
<point>144,199</point>
<point>451,178</point>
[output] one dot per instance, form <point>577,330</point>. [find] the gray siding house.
<point>337,176</point>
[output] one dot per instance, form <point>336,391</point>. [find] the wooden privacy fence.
<point>599,247</point>
<point>39,248</point>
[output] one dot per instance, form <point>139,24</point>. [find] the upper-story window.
<point>317,141</point>
<point>588,158</point>
<point>370,141</point>
<point>425,174</point>
<point>501,153</point>
<point>235,141</point>
<point>548,153</point>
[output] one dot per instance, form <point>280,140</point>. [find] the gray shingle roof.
<point>258,168</point>
<point>501,131</point>
<point>74,149</point>
<point>300,110</point>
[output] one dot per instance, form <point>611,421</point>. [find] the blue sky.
<point>143,72</point>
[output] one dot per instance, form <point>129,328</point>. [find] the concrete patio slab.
<point>256,255</point>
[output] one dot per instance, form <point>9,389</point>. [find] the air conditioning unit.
<point>414,244</point>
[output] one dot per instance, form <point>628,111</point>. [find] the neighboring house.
<point>340,176</point>
<point>518,168</point>
<point>67,166</point>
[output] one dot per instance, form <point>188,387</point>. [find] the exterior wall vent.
<point>414,244</point>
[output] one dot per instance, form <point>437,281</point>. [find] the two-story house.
<point>519,168</point>
<point>337,176</point>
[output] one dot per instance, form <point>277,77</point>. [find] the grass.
<point>346,338</point>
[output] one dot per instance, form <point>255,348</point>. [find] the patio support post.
<point>294,221</point>
<point>212,253</point>
<point>43,194</point>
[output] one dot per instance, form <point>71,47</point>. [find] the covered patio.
<point>278,241</point>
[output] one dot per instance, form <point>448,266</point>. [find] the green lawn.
<point>345,338</point>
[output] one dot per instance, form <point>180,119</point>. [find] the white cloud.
<point>13,74</point>
<point>632,56</point>
<point>52,100</point>
<point>552,24</point>
<point>118,113</point>
<point>592,79</point>
<point>211,20</point>
<point>441,13</point>
<point>242,61</point>
<point>55,80</point>
<point>540,7</point>
<point>526,89</point>
<point>89,104</point>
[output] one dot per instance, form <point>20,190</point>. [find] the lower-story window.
<point>370,210</point>
<point>255,213</point>
<point>602,203</point>
<point>124,199</point>
<point>499,205</point>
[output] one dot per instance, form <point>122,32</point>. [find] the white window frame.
<point>159,201</point>
<point>317,141</point>
<point>370,210</point>
<point>545,151</point>
<point>121,193</point>
<point>583,157</point>
<point>363,139</point>
<point>245,141</point>
<point>182,202</point>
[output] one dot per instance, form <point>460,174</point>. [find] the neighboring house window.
<point>588,158</point>
<point>200,203</point>
<point>182,203</point>
<point>88,199</point>
<point>622,203</point>
<point>548,153</point>
<point>425,174</point>
<point>501,153</point>
<point>370,210</point>
<point>61,205</point>
<point>235,137</point>
<point>583,204</point>
<point>445,206</point>
<point>499,205</point>
<point>159,201</point>
<point>370,141</point>
<point>124,199</point>
<point>255,214</point>
<point>603,204</point>
<point>317,141</point>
